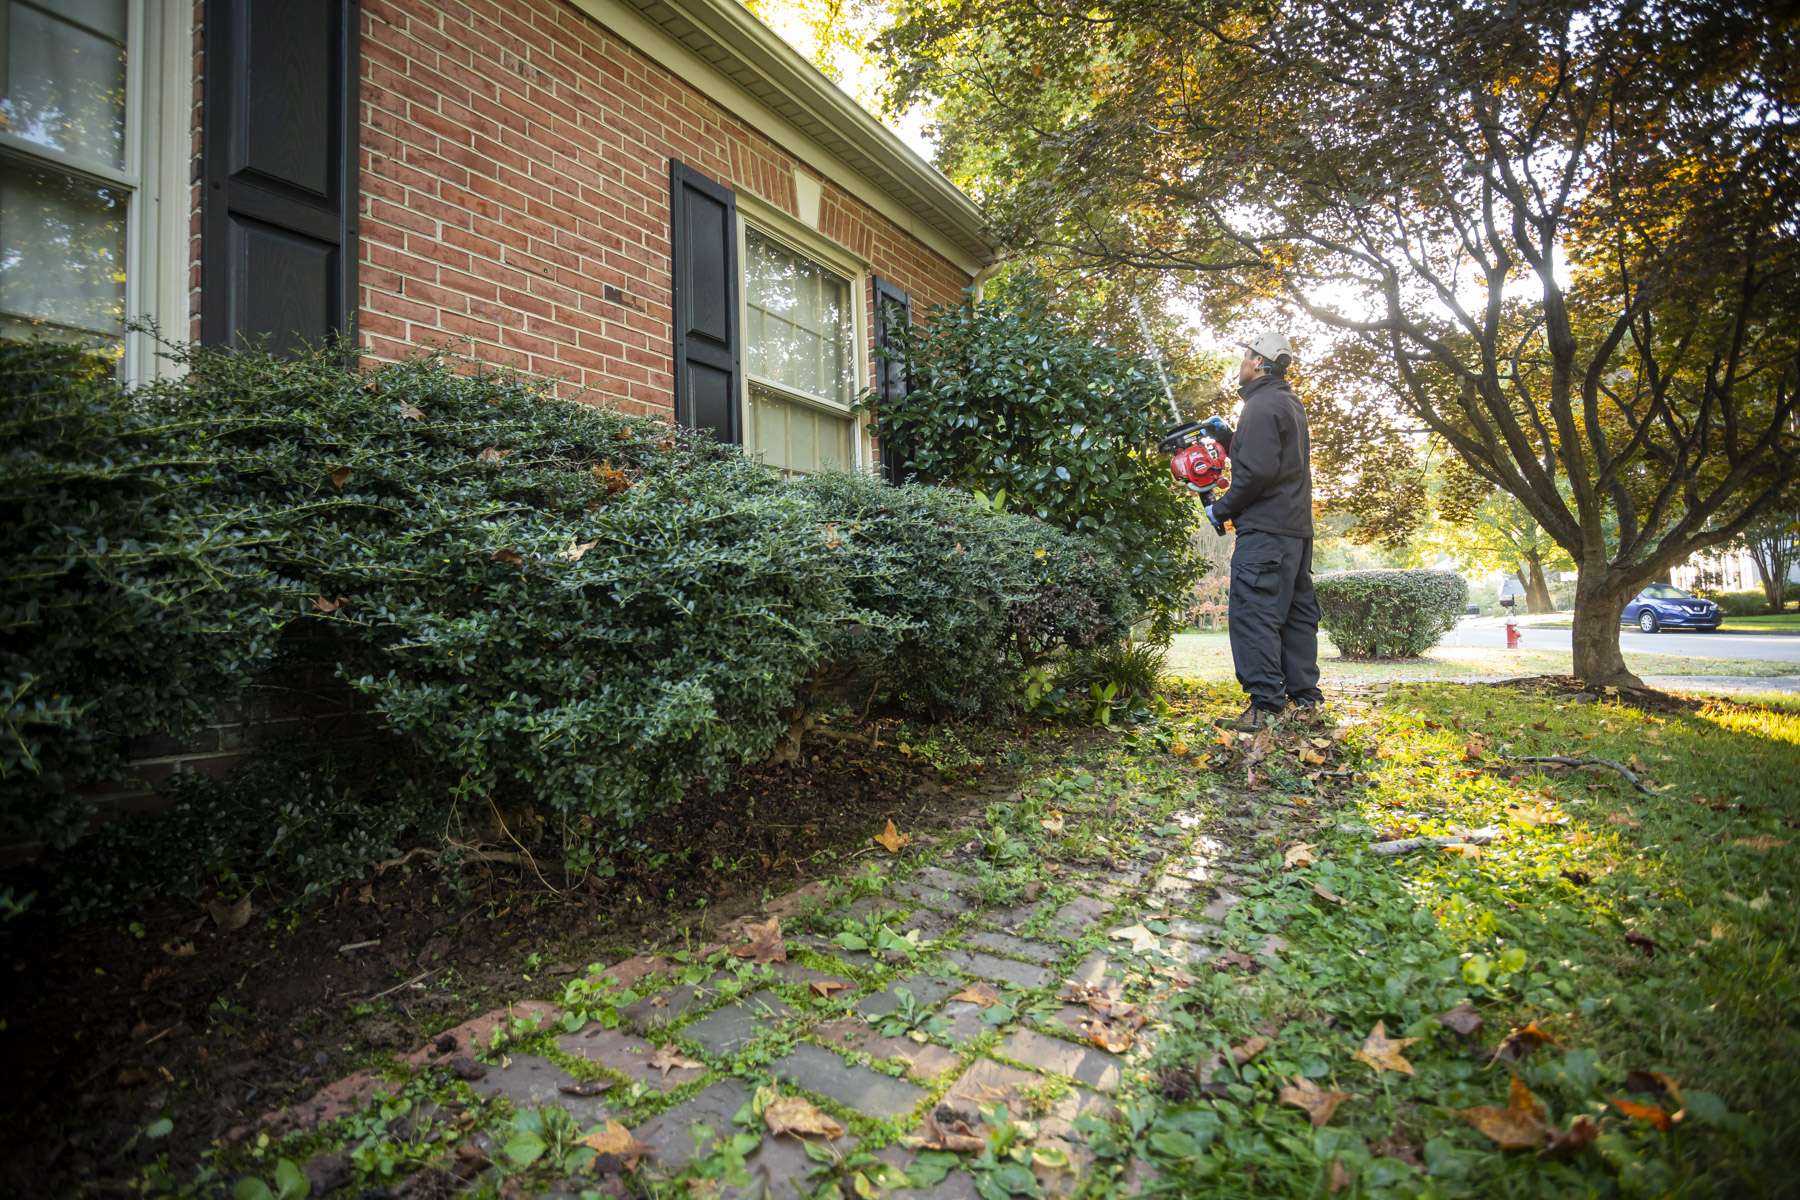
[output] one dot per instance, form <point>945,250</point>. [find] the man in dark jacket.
<point>1273,611</point>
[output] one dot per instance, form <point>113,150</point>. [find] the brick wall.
<point>515,194</point>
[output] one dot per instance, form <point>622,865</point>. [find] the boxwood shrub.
<point>546,604</point>
<point>1389,614</point>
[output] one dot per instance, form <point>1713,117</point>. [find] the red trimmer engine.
<point>1195,458</point>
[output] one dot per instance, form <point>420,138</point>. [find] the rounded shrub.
<point>1389,614</point>
<point>546,605</point>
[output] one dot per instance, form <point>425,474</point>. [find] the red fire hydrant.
<point>1512,633</point>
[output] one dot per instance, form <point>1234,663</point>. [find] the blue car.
<point>1663,606</point>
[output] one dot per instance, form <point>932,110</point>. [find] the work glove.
<point>1218,523</point>
<point>1216,429</point>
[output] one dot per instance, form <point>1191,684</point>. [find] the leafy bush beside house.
<point>548,604</point>
<point>1006,398</point>
<point>1389,614</point>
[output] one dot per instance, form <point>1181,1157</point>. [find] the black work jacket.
<point>1271,464</point>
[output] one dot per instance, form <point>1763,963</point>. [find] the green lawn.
<point>1788,622</point>
<point>1207,657</point>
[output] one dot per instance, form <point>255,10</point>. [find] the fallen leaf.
<point>1565,1144</point>
<point>1339,1177</point>
<point>1382,1052</point>
<point>791,1114</point>
<point>1178,748</point>
<point>1053,824</point>
<point>1762,841</point>
<point>829,987</point>
<point>321,604</point>
<point>1318,1103</point>
<point>410,413</point>
<point>1141,939</point>
<point>1397,1145</point>
<point>981,995</point>
<point>1225,738</point>
<point>670,1059</point>
<point>1237,959</point>
<point>1474,748</point>
<point>1654,1082</point>
<point>510,557</point>
<point>1652,1113</point>
<point>178,949</point>
<point>952,1133</point>
<point>339,477</point>
<point>615,1141</point>
<point>765,944</point>
<point>1642,941</point>
<point>574,550</point>
<point>1312,758</point>
<point>1463,849</point>
<point>1462,1019</point>
<point>1522,1041</point>
<point>492,455</point>
<point>1243,1052</point>
<point>1300,854</point>
<point>1325,893</point>
<point>1536,815</point>
<point>891,839</point>
<point>1115,1039</point>
<point>1260,745</point>
<point>585,1087</point>
<point>1624,820</point>
<point>229,917</point>
<point>1518,1126</point>
<point>611,478</point>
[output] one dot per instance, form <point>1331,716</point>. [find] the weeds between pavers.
<point>1626,959</point>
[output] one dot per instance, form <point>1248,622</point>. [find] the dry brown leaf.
<point>1312,758</point>
<point>1522,1041</point>
<point>574,550</point>
<point>321,604</point>
<point>1464,849</point>
<point>829,987</point>
<point>611,478</point>
<point>980,994</point>
<point>1300,854</point>
<point>1141,939</point>
<point>615,1141</point>
<point>1536,815</point>
<point>791,1114</point>
<point>493,455</point>
<point>1518,1126</point>
<point>670,1059</point>
<point>229,917</point>
<point>510,557</point>
<point>1243,1052</point>
<point>951,1133</point>
<point>1260,745</point>
<point>1053,824</point>
<point>409,413</point>
<point>1318,1103</point>
<point>1762,841</point>
<point>1462,1019</point>
<point>1115,1039</point>
<point>891,839</point>
<point>1572,1141</point>
<point>1624,820</point>
<point>1178,748</point>
<point>1382,1052</point>
<point>1325,893</point>
<point>1225,737</point>
<point>339,477</point>
<point>1338,1178</point>
<point>765,944</point>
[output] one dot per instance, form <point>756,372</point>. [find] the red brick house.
<point>657,204</point>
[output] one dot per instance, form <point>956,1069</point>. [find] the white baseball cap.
<point>1270,345</point>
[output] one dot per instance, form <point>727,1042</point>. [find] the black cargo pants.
<point>1274,620</point>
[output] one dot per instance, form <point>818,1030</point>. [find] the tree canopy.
<point>1560,237</point>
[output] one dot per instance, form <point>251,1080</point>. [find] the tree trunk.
<point>1598,601</point>
<point>1537,586</point>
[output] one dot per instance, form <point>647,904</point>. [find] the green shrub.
<point>1010,401</point>
<point>1737,604</point>
<point>546,604</point>
<point>1389,614</point>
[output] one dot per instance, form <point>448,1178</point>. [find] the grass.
<point>1207,657</point>
<point>1642,933</point>
<point>1787,622</point>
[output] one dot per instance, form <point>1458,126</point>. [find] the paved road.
<point>1773,647</point>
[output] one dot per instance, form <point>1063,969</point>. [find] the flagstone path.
<point>937,1014</point>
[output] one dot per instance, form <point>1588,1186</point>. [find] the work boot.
<point>1304,713</point>
<point>1253,718</point>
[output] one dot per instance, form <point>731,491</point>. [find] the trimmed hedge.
<point>1389,614</point>
<point>550,604</point>
<point>1738,604</point>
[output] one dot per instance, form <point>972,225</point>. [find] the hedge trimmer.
<point>1196,449</point>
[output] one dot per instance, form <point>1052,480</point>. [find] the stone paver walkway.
<point>943,1008</point>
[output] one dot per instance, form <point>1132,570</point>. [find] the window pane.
<point>65,82</point>
<point>796,437</point>
<point>799,326</point>
<point>62,254</point>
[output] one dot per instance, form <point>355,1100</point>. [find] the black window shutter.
<point>707,362</point>
<point>278,215</point>
<point>893,310</point>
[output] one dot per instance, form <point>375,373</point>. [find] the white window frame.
<point>779,226</point>
<point>158,153</point>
